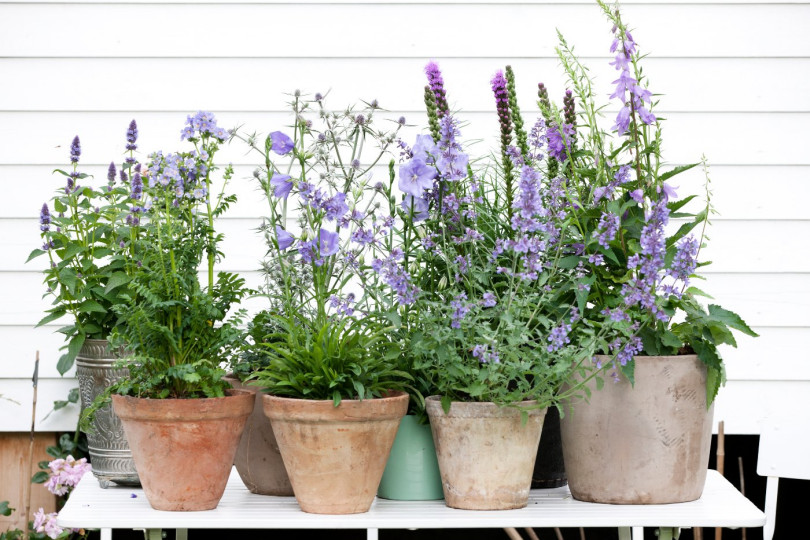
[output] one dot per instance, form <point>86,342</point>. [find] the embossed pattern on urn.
<point>110,455</point>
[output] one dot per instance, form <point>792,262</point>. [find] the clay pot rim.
<point>461,409</point>
<point>394,405</point>
<point>235,403</point>
<point>646,357</point>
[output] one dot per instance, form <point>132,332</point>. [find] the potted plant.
<point>80,230</point>
<point>333,395</point>
<point>181,418</point>
<point>645,437</point>
<point>496,326</point>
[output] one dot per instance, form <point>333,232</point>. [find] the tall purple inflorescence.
<point>44,218</point>
<point>499,88</point>
<point>436,84</point>
<point>75,150</point>
<point>640,98</point>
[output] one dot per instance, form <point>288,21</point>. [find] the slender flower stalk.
<point>514,112</point>
<point>545,108</point>
<point>432,113</point>
<point>436,85</point>
<point>504,118</point>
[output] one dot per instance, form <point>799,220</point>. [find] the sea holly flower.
<point>282,185</point>
<point>415,177</point>
<point>281,143</point>
<point>284,238</point>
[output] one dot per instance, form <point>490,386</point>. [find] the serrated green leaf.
<point>71,251</point>
<point>730,319</point>
<point>395,319</point>
<point>91,306</point>
<point>116,280</point>
<point>629,371</point>
<point>677,170</point>
<point>446,403</point>
<point>570,261</point>
<point>669,339</point>
<point>694,291</point>
<point>54,315</point>
<point>34,254</point>
<point>66,360</point>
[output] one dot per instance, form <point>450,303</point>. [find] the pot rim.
<point>395,405</point>
<point>482,408</point>
<point>235,403</point>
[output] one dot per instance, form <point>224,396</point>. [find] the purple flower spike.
<point>436,83</point>
<point>75,150</point>
<point>132,136</point>
<point>137,187</point>
<point>415,177</point>
<point>282,185</point>
<point>111,173</point>
<point>44,218</point>
<point>282,144</point>
<point>328,243</point>
<point>285,239</point>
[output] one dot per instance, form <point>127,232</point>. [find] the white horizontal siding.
<point>742,99</point>
<point>394,30</point>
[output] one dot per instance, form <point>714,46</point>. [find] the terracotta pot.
<point>642,444</point>
<point>335,456</point>
<point>258,460</point>
<point>183,448</point>
<point>486,454</point>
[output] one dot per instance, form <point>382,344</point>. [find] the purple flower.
<point>342,305</point>
<point>484,355</point>
<point>451,161</point>
<point>415,177</point>
<point>607,228</point>
<point>282,184</point>
<point>626,351</point>
<point>488,300</point>
<point>626,83</point>
<point>137,187</point>
<point>284,238</point>
<point>684,262</point>
<point>559,141</point>
<point>111,173</point>
<point>396,277</point>
<point>44,218</point>
<point>202,123</point>
<point>668,192</point>
<point>558,337</point>
<point>436,83</point>
<point>336,206</point>
<point>75,150</point>
<point>460,309</point>
<point>424,148</point>
<point>281,143</point>
<point>46,523</point>
<point>416,208</point>
<point>637,195</point>
<point>132,136</point>
<point>328,243</point>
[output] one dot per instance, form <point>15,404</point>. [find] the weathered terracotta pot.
<point>335,456</point>
<point>486,454</point>
<point>183,448</point>
<point>642,444</point>
<point>258,460</point>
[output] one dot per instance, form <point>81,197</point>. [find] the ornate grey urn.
<point>110,455</point>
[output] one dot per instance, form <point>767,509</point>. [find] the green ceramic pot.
<point>412,471</point>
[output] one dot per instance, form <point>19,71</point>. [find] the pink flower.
<point>46,523</point>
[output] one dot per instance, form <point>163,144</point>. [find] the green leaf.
<point>446,402</point>
<point>116,280</point>
<point>35,253</point>
<point>600,382</point>
<point>570,261</point>
<point>66,360</point>
<point>715,378</point>
<point>71,251</point>
<point>39,478</point>
<point>677,170</point>
<point>56,313</point>
<point>91,306</point>
<point>73,395</point>
<point>731,319</point>
<point>694,291</point>
<point>629,371</point>
<point>686,228</point>
<point>395,319</point>
<point>671,340</point>
<point>4,509</point>
<point>59,404</point>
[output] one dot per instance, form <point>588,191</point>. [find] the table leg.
<point>638,533</point>
<point>372,534</point>
<point>669,533</point>
<point>624,533</point>
<point>106,534</point>
<point>181,534</point>
<point>153,534</point>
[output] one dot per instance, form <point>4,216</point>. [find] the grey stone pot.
<point>110,455</point>
<point>642,444</point>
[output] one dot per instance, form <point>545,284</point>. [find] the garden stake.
<point>27,484</point>
<point>721,454</point>
<point>742,487</point>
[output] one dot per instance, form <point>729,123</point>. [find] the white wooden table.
<point>91,507</point>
